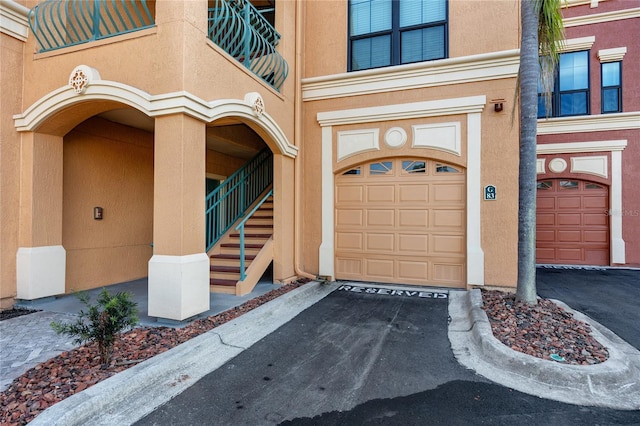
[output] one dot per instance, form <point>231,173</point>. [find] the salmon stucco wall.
<point>110,166</point>
<point>11,51</point>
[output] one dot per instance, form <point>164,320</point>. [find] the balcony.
<point>61,23</point>
<point>239,29</point>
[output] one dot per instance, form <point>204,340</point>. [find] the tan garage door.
<point>572,225</point>
<point>401,221</point>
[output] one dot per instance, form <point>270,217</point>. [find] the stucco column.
<point>283,220</point>
<point>41,259</point>
<point>179,268</point>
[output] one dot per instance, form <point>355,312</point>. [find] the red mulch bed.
<point>541,330</point>
<point>76,370</point>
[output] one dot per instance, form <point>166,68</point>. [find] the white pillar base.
<point>178,286</point>
<point>617,251</point>
<point>475,266</point>
<point>40,271</point>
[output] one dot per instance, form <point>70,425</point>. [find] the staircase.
<point>225,256</point>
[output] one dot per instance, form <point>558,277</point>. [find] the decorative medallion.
<point>557,165</point>
<point>256,102</point>
<point>81,77</point>
<point>395,137</point>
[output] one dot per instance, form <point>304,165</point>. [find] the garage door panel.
<point>413,218</point>
<point>569,254</point>
<point>546,203</point>
<point>413,193</point>
<point>379,268</point>
<point>448,218</point>
<point>413,270</point>
<point>545,218</point>
<point>545,234</point>
<point>569,235</point>
<point>379,242</point>
<point>545,254</point>
<point>413,244</point>
<point>596,256</point>
<point>568,202</point>
<point>444,192</point>
<point>381,194</point>
<point>445,272</point>
<point>447,244</point>
<point>381,218</point>
<point>595,202</point>
<point>349,267</point>
<point>349,194</point>
<point>349,218</point>
<point>596,219</point>
<point>349,241</point>
<point>573,218</point>
<point>595,236</point>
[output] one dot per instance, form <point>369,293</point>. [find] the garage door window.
<point>414,167</point>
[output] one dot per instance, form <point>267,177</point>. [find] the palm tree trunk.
<point>529,74</point>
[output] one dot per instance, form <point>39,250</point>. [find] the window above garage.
<point>393,32</point>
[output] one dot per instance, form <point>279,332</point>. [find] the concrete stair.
<point>225,255</point>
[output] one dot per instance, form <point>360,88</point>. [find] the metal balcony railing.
<point>241,31</point>
<point>62,23</point>
<point>231,199</point>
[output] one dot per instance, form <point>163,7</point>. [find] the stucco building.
<point>361,140</point>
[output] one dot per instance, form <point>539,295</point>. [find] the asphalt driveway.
<point>609,296</point>
<point>363,356</point>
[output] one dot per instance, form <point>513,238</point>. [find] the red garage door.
<point>572,222</point>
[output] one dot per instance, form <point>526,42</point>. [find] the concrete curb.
<point>132,394</point>
<point>614,383</point>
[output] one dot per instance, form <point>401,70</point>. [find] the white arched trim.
<point>472,106</point>
<point>154,106</point>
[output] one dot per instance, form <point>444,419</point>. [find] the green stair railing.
<point>230,201</point>
<point>241,31</point>
<point>62,23</point>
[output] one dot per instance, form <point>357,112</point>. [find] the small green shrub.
<point>102,322</point>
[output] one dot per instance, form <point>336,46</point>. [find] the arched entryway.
<point>572,222</point>
<point>401,220</point>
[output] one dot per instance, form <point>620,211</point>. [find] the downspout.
<point>297,130</point>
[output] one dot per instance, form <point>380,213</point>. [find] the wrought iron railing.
<point>62,23</point>
<point>230,201</point>
<point>241,31</point>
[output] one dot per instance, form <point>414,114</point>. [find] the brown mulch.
<point>541,330</point>
<point>15,312</point>
<point>76,370</point>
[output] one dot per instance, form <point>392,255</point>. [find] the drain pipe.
<point>297,130</point>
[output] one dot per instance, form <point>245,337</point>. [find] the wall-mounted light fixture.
<point>498,104</point>
<point>97,213</point>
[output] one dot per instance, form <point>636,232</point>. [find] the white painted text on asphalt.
<point>406,293</point>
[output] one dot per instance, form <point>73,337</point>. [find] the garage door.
<point>401,221</point>
<point>572,222</point>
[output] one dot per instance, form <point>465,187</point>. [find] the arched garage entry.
<point>572,222</point>
<point>401,220</point>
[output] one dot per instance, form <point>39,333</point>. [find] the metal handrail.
<point>240,228</point>
<point>61,23</point>
<point>241,31</point>
<point>230,200</point>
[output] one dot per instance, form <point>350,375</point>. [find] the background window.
<point>611,87</point>
<point>393,32</point>
<point>571,91</point>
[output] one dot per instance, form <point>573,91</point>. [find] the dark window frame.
<point>604,88</point>
<point>556,95</point>
<point>396,36</point>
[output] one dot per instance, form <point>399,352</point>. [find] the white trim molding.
<point>571,3</point>
<point>154,106</point>
<point>615,147</point>
<point>594,165</point>
<point>612,55</point>
<point>589,123</point>
<point>14,19</point>
<point>472,106</point>
<point>598,18</point>
<point>352,142</point>
<point>178,286</point>
<point>41,272</point>
<point>441,136</point>
<point>467,69</point>
<point>577,44</point>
